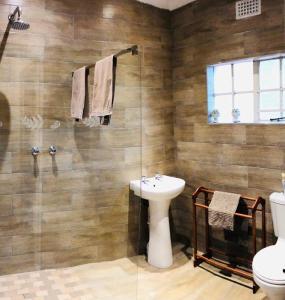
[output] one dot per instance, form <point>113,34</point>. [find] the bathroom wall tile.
<point>56,72</point>
<point>20,93</point>
<point>23,44</point>
<point>99,198</point>
<point>198,152</point>
<point>19,263</point>
<point>67,180</point>
<point>5,205</point>
<point>19,183</point>
<point>54,95</point>
<point>66,49</point>
<point>5,246</point>
<point>17,225</point>
<point>253,156</point>
<point>52,209</point>
<point>24,70</point>
<point>219,134</point>
<point>265,135</point>
<point>49,23</point>
<point>26,244</point>
<point>59,259</point>
<point>265,179</point>
<point>69,220</point>
<point>98,159</point>
<point>121,137</point>
<point>256,156</point>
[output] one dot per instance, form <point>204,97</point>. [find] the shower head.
<point>16,22</point>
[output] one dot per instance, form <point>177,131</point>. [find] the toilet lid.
<point>269,263</point>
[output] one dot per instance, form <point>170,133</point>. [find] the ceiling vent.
<point>247,8</point>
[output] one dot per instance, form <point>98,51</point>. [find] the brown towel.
<point>222,209</point>
<point>104,88</point>
<point>78,93</point>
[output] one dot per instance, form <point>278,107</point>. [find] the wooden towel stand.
<point>207,257</point>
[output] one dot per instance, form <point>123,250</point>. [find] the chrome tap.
<point>158,176</point>
<point>35,151</point>
<point>52,150</point>
<point>144,179</point>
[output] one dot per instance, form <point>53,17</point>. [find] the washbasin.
<point>159,190</point>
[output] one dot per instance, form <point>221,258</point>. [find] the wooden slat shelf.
<point>258,204</point>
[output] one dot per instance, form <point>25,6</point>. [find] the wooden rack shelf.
<point>258,204</point>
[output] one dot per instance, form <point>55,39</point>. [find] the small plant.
<point>236,115</point>
<point>214,116</point>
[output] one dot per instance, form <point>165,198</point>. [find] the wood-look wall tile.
<point>70,257</point>
<point>55,95</point>
<point>98,159</point>
<point>26,244</point>
<point>265,179</point>
<point>57,72</point>
<point>199,152</point>
<point>5,246</point>
<point>121,137</point>
<point>19,183</point>
<point>17,225</point>
<point>69,220</point>
<point>66,180</point>
<point>24,45</point>
<point>219,134</point>
<point>66,49</point>
<point>19,263</point>
<point>5,205</point>
<point>255,156</point>
<point>57,205</point>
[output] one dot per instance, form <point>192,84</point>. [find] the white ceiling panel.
<point>167,4</point>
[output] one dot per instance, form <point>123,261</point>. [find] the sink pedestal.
<point>159,246</point>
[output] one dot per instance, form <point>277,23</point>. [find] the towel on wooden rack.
<point>222,209</point>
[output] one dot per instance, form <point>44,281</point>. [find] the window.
<point>255,88</point>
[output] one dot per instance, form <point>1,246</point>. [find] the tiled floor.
<point>124,279</point>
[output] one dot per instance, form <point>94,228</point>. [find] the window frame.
<point>256,87</point>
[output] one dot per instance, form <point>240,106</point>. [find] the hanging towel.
<point>104,89</point>
<point>78,93</point>
<point>222,209</point>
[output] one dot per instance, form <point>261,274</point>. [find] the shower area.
<point>64,185</point>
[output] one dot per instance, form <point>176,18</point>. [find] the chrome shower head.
<point>16,22</point>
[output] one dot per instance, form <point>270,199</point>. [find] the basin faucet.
<point>144,179</point>
<point>158,176</point>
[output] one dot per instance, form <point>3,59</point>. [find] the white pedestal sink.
<point>159,191</point>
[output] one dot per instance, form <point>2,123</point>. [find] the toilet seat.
<point>268,265</point>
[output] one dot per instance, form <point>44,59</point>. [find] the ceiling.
<point>167,4</point>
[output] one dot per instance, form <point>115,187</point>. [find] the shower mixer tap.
<point>52,150</point>
<point>35,151</point>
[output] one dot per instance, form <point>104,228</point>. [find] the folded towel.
<point>222,209</point>
<point>104,89</point>
<point>78,93</point>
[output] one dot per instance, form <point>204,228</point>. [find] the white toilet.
<point>269,263</point>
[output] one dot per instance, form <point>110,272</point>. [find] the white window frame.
<point>256,87</point>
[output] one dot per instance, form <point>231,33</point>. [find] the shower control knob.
<point>52,150</point>
<point>35,151</point>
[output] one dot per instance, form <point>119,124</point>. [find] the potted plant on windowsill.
<point>236,115</point>
<point>214,116</point>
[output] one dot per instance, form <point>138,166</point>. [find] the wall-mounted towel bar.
<point>133,50</point>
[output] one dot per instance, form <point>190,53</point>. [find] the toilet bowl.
<point>269,263</point>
